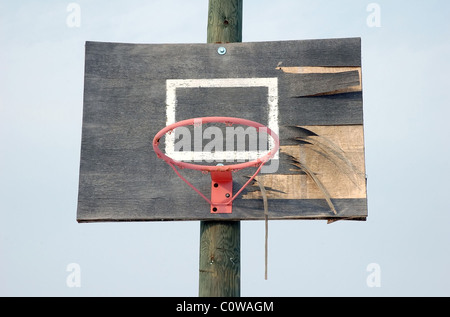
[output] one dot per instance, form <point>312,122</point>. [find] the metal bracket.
<point>221,192</point>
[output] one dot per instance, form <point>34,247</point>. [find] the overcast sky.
<point>401,250</point>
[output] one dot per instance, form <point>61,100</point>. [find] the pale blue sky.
<point>406,110</point>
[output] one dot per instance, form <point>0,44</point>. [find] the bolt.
<point>227,195</point>
<point>221,50</point>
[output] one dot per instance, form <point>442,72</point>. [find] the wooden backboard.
<point>309,92</point>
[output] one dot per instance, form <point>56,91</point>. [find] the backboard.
<point>309,92</point>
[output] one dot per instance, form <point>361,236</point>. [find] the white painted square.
<point>171,107</point>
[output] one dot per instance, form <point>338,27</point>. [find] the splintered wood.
<point>335,155</point>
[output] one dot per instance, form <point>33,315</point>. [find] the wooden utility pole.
<point>220,241</point>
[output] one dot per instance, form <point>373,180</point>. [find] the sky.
<point>401,250</point>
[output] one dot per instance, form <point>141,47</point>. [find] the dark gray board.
<point>125,106</point>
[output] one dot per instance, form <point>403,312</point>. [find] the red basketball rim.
<point>209,168</point>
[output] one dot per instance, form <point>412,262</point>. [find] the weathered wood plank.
<point>306,85</point>
<point>125,106</point>
<point>334,153</point>
<point>246,209</point>
<point>355,86</point>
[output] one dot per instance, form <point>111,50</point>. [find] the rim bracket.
<point>221,192</point>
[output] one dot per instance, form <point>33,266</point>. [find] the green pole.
<point>220,241</point>
<point>224,21</point>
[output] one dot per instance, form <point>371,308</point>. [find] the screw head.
<point>222,50</point>
<point>227,195</point>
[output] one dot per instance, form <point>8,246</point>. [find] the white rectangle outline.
<point>171,104</point>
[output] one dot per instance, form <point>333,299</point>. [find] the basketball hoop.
<point>221,175</point>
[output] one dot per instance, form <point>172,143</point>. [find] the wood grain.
<point>348,87</point>
<point>219,266</point>
<point>220,242</point>
<point>124,106</point>
<point>224,21</point>
<point>343,179</point>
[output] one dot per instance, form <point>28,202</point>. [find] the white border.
<point>171,105</point>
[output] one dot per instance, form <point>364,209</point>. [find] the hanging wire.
<point>266,220</point>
